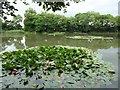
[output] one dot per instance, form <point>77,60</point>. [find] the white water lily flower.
<point>49,63</point>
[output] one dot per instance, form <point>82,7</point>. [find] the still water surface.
<point>108,48</point>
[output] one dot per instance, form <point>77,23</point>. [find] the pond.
<point>107,47</point>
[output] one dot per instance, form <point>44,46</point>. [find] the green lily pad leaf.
<point>25,82</point>
<point>111,71</point>
<point>68,64</point>
<point>35,85</point>
<point>70,82</point>
<point>29,74</point>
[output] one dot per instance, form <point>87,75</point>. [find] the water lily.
<point>14,72</point>
<point>49,63</point>
<point>40,62</point>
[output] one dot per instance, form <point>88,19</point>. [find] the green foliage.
<point>8,7</point>
<point>14,24</point>
<point>117,21</point>
<point>29,24</point>
<point>94,22</point>
<point>72,24</point>
<point>6,25</point>
<point>13,31</point>
<point>45,22</point>
<point>81,22</point>
<point>56,64</point>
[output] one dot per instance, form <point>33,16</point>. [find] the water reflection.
<point>111,55</point>
<point>23,42</point>
<point>37,39</point>
<point>13,43</point>
<point>10,47</point>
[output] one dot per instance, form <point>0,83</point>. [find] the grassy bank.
<point>12,31</point>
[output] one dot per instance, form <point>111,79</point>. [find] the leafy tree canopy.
<point>13,24</point>
<point>83,22</point>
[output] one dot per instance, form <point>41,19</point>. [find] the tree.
<point>117,20</point>
<point>105,23</point>
<point>14,24</point>
<point>29,21</point>
<point>9,9</point>
<point>83,21</point>
<point>72,24</point>
<point>17,19</point>
<point>43,22</point>
<point>93,21</point>
<point>61,23</point>
<point>47,22</point>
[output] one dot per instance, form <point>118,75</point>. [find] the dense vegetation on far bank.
<point>12,31</point>
<point>47,22</point>
<point>81,22</point>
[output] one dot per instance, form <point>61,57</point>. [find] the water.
<point>108,48</point>
<point>21,41</point>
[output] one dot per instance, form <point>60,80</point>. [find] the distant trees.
<point>17,22</point>
<point>93,21</point>
<point>82,22</point>
<point>44,22</point>
<point>29,21</point>
<point>14,24</point>
<point>72,24</point>
<point>117,19</point>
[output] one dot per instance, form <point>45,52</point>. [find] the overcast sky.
<point>101,6</point>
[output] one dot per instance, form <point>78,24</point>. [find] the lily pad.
<point>56,66</point>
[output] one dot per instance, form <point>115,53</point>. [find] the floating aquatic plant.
<point>55,66</point>
<point>90,37</point>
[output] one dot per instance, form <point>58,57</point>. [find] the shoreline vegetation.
<point>90,37</point>
<point>52,33</point>
<point>81,22</point>
<point>13,31</point>
<point>72,65</point>
<point>48,22</point>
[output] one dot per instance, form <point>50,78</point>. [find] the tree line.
<point>81,22</point>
